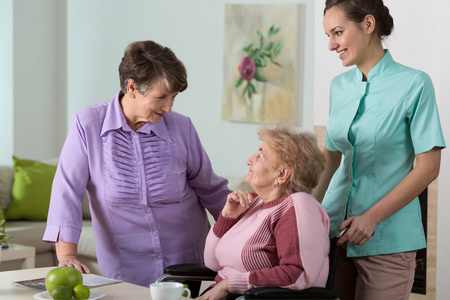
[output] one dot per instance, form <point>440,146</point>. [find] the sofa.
<point>25,188</point>
<point>34,178</point>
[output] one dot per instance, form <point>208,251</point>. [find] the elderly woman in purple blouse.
<point>146,173</point>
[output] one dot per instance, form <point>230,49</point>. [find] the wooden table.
<point>113,292</point>
<point>23,253</point>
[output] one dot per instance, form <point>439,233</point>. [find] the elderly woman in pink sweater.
<point>277,236</point>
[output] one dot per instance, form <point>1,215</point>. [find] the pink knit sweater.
<point>281,243</point>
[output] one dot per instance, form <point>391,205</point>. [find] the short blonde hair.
<point>298,151</point>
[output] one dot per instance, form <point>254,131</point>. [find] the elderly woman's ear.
<point>283,175</point>
<point>131,88</point>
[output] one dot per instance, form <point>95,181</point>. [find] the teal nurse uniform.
<point>379,126</point>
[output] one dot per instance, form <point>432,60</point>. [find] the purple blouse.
<point>147,190</point>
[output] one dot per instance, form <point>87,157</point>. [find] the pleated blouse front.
<point>148,191</point>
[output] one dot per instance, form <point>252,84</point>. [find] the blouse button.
<point>135,137</point>
<point>159,257</point>
<point>149,211</point>
<point>139,163</point>
<point>155,233</point>
<point>144,188</point>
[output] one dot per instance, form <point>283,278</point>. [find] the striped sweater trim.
<point>253,255</point>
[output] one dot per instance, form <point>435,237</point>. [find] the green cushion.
<point>31,190</point>
<point>2,217</point>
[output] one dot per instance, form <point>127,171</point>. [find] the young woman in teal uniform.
<point>382,117</point>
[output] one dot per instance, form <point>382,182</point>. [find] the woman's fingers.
<point>237,203</point>
<point>243,197</point>
<point>359,233</point>
<point>73,262</point>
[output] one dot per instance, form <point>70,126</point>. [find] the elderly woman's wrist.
<point>223,225</point>
<point>228,216</point>
<point>238,282</point>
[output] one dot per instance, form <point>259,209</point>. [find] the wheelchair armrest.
<point>190,269</point>
<point>282,293</point>
<point>196,272</point>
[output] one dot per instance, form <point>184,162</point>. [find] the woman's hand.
<point>67,256</point>
<point>237,203</point>
<point>220,291</point>
<point>360,230</point>
<point>73,262</point>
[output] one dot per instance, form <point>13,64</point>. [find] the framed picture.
<point>261,62</point>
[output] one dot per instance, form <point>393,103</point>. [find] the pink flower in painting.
<point>247,68</point>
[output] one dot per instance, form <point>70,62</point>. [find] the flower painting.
<point>260,63</point>
<point>257,58</point>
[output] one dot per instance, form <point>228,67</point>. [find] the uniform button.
<point>144,188</point>
<point>350,210</point>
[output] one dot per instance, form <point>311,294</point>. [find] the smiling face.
<point>151,107</point>
<point>347,38</point>
<point>262,174</point>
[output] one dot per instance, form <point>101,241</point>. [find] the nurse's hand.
<point>237,203</point>
<point>361,229</point>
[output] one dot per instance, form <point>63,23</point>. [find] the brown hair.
<point>147,63</point>
<point>298,151</point>
<point>357,10</point>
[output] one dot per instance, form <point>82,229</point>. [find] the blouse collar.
<point>115,119</point>
<point>379,69</point>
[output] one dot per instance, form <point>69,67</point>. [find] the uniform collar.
<point>379,69</point>
<point>115,119</point>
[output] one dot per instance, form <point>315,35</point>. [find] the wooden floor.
<point>319,131</point>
